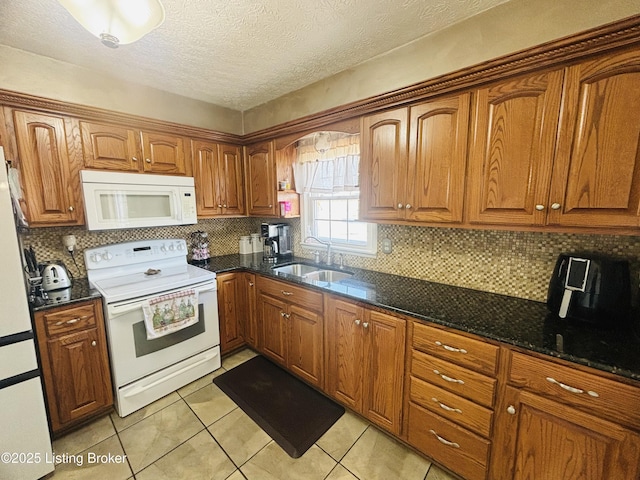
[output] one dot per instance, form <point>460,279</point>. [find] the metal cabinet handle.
<point>71,209</point>
<point>147,160</point>
<point>407,206</point>
<point>448,379</point>
<point>224,205</point>
<point>511,410</point>
<point>286,293</point>
<point>357,322</point>
<point>93,344</point>
<point>446,407</point>
<point>539,207</point>
<point>251,284</point>
<point>451,349</point>
<point>446,442</point>
<point>270,205</point>
<point>400,206</point>
<point>134,159</point>
<point>568,388</point>
<point>555,206</point>
<point>219,205</point>
<point>365,324</point>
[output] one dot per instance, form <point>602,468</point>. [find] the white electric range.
<point>127,275</point>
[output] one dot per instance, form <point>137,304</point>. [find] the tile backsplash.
<point>511,263</point>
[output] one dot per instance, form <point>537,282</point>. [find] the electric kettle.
<point>55,277</point>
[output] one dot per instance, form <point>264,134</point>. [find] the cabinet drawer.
<point>468,352</point>
<point>452,407</point>
<point>609,399</point>
<point>460,380</point>
<point>454,447</point>
<point>291,293</point>
<point>69,320</point>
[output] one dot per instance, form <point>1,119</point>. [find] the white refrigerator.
<point>25,443</point>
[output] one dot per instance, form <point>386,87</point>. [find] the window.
<point>326,174</point>
<point>333,217</point>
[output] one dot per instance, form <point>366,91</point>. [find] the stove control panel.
<point>128,253</point>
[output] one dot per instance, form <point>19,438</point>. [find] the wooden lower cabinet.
<point>75,365</point>
<point>251,323</point>
<point>365,361</point>
<point>291,328</point>
<point>231,310</point>
<point>545,439</point>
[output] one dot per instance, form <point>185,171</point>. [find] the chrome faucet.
<point>327,244</point>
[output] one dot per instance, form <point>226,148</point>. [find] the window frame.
<point>307,219</point>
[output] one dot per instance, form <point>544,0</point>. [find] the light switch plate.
<point>387,246</point>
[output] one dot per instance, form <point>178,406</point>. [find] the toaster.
<point>591,288</point>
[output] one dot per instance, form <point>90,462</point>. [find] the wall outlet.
<point>387,246</point>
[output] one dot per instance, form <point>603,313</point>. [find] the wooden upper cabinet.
<point>413,162</point>
<point>50,181</point>
<point>260,170</point>
<point>511,153</point>
<point>437,160</point>
<point>383,165</point>
<point>113,147</point>
<point>108,147</point>
<point>231,182</point>
<point>596,178</point>
<point>163,153</point>
<point>217,170</point>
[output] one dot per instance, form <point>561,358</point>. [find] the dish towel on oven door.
<point>169,313</point>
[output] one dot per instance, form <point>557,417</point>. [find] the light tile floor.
<point>199,433</point>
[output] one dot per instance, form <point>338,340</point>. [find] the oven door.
<point>134,357</point>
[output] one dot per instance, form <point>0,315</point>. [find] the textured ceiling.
<point>239,53</point>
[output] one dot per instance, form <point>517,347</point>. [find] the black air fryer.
<point>590,288</point>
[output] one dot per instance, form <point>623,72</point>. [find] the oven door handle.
<point>119,310</point>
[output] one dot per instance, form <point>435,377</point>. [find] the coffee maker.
<point>277,241</point>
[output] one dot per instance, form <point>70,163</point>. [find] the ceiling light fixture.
<point>117,22</point>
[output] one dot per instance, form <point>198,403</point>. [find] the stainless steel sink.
<point>296,269</point>
<point>312,273</point>
<point>327,276</point>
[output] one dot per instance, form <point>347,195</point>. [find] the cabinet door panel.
<point>344,352</point>
<point>206,178</point>
<point>437,159</point>
<point>163,153</point>
<point>231,312</point>
<point>305,346</point>
<point>552,441</point>
<point>108,147</point>
<point>384,338</point>
<point>261,179</point>
<point>597,174</point>
<point>231,183</point>
<point>78,373</point>
<point>271,313</point>
<point>384,165</point>
<point>251,322</point>
<point>45,168</point>
<point>512,150</point>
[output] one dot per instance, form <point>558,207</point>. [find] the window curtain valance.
<point>327,165</point>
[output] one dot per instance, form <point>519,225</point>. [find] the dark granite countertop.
<point>522,323</point>
<point>78,292</point>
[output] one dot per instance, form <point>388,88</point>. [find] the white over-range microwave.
<point>114,200</point>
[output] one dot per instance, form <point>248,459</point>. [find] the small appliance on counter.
<point>55,276</point>
<point>200,248</point>
<point>590,288</point>
<point>277,241</point>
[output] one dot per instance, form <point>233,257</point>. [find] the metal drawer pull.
<point>286,293</point>
<point>568,388</point>
<point>451,349</point>
<point>357,322</point>
<point>446,442</point>
<point>448,379</point>
<point>446,407</point>
<point>72,321</point>
<point>285,315</point>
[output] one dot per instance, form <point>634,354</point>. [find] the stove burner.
<point>152,271</point>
